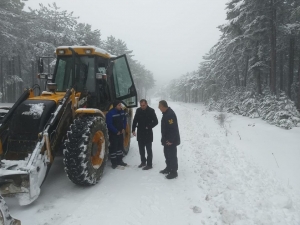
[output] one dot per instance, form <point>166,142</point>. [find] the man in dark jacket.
<point>116,124</point>
<point>144,119</point>
<point>170,138</point>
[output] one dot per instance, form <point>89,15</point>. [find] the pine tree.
<point>52,27</point>
<point>85,34</point>
<point>12,21</point>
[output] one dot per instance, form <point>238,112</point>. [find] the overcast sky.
<point>169,37</point>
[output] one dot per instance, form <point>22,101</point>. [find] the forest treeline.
<point>254,68</point>
<point>27,35</point>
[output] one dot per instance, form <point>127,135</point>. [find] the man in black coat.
<point>170,138</point>
<point>144,119</point>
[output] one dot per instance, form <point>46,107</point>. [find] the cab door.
<point>124,87</point>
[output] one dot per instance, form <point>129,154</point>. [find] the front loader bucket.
<point>5,217</point>
<point>22,182</point>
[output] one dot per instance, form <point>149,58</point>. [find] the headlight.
<point>61,52</point>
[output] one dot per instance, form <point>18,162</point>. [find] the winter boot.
<point>121,163</point>
<point>147,168</point>
<point>165,171</point>
<point>142,165</point>
<point>114,166</point>
<point>172,175</point>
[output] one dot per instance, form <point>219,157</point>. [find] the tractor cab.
<point>98,77</point>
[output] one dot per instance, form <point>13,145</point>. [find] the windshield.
<point>84,74</point>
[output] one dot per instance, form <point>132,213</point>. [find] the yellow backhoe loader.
<point>68,116</point>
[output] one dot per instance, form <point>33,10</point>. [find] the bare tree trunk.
<point>298,100</point>
<point>258,81</point>
<point>270,75</point>
<point>273,48</point>
<point>14,93</point>
<point>189,94</point>
<point>246,70</point>
<point>185,99</point>
<point>9,67</point>
<point>19,66</point>
<point>13,66</point>
<point>196,95</point>
<point>291,66</point>
<point>266,80</point>
<point>281,64</point>
<point>32,71</point>
<point>257,72</point>
<point>237,79</point>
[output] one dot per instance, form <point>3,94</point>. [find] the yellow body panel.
<point>89,111</point>
<point>31,94</point>
<point>50,96</point>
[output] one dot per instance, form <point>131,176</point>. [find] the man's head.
<point>143,104</point>
<point>117,105</point>
<point>163,105</point>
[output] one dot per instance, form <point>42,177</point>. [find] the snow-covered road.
<point>221,181</point>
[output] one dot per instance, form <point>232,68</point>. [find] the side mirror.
<point>41,65</point>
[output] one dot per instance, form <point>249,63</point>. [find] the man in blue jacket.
<point>170,139</point>
<point>116,124</point>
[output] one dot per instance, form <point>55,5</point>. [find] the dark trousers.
<point>171,157</point>
<point>148,147</point>
<point>116,148</point>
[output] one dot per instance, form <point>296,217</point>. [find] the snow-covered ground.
<point>242,172</point>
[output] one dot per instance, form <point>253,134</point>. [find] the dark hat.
<point>116,102</point>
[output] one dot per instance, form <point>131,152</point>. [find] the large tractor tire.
<point>127,135</point>
<point>86,150</point>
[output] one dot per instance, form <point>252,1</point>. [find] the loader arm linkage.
<point>23,178</point>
